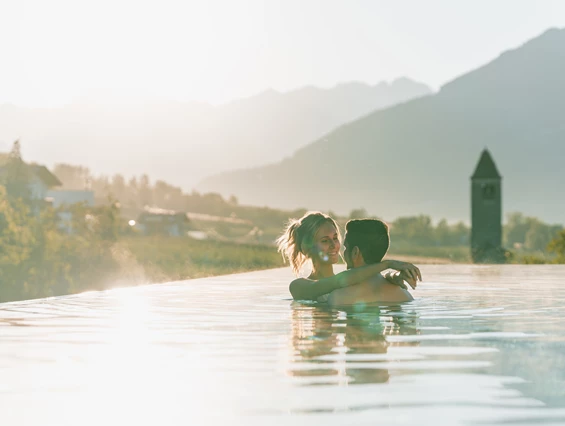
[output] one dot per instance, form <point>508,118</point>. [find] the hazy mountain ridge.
<point>417,157</point>
<point>183,142</point>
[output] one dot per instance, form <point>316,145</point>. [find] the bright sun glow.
<point>217,50</point>
<point>69,48</point>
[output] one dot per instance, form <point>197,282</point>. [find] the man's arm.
<point>306,289</point>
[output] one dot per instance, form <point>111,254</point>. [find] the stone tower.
<point>486,212</point>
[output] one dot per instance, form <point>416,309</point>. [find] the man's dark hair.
<point>371,236</point>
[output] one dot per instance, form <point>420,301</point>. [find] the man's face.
<point>347,253</point>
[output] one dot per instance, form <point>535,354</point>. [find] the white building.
<point>60,198</point>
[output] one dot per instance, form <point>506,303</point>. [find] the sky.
<point>53,52</point>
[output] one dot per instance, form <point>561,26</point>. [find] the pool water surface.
<point>480,345</point>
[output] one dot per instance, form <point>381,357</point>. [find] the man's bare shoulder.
<point>356,290</point>
<point>374,290</point>
<point>390,292</point>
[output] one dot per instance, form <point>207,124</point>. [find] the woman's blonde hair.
<point>296,242</point>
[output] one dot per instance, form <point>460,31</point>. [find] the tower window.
<point>489,191</point>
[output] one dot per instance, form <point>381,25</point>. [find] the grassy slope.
<point>168,258</point>
<point>159,259</point>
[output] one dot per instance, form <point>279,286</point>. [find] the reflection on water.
<point>479,345</point>
<point>347,348</point>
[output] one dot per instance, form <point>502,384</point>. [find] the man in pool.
<point>366,242</point>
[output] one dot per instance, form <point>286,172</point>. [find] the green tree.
<point>145,192</point>
<point>132,197</point>
<point>557,246</point>
<point>538,236</point>
<point>443,233</point>
<point>358,214</point>
<point>101,187</point>
<point>529,232</point>
<point>515,230</point>
<point>16,175</point>
<point>118,188</point>
<point>415,229</point>
<point>37,259</point>
<point>73,177</point>
<point>16,245</point>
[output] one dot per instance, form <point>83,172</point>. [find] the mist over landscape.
<point>419,156</point>
<point>184,142</point>
<point>391,148</point>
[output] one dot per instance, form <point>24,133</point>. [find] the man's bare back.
<point>375,290</point>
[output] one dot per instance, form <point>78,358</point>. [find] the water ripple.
<point>479,345</point>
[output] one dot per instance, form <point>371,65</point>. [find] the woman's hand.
<point>399,278</point>
<point>395,279</point>
<point>409,270</point>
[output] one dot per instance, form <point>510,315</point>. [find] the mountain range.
<point>417,157</point>
<point>181,143</point>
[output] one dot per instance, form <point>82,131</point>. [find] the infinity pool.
<point>480,345</point>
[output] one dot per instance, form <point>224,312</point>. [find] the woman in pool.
<point>316,236</point>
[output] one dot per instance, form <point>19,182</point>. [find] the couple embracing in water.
<point>316,237</point>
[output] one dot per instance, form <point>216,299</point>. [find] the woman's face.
<point>326,244</point>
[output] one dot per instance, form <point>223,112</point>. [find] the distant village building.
<point>59,198</point>
<point>63,199</point>
<point>156,221</point>
<point>41,189</point>
<point>486,212</point>
<point>211,218</point>
<point>41,180</point>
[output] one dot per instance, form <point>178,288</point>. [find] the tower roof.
<point>486,169</point>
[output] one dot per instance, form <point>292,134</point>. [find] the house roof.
<point>42,172</point>
<point>486,169</point>
<point>159,211</point>
<point>162,214</point>
<point>210,218</point>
